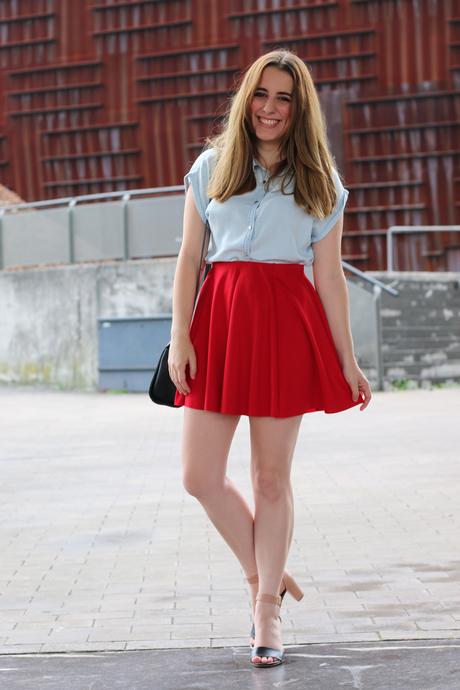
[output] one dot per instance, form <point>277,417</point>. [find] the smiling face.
<point>272,104</point>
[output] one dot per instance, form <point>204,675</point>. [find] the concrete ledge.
<point>49,315</point>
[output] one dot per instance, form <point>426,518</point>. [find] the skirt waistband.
<point>266,266</point>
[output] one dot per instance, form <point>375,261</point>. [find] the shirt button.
<point>249,227</point>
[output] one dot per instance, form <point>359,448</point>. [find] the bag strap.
<point>206,228</point>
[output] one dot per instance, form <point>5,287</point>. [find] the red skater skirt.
<point>263,344</point>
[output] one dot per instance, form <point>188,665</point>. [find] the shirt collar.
<point>256,164</point>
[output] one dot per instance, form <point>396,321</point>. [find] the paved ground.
<point>417,665</point>
<point>103,550</point>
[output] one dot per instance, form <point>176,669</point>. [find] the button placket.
<point>252,216</point>
<point>251,226</point>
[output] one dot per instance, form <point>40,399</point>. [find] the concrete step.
<point>422,343</point>
<point>415,380</point>
<point>421,358</point>
<point>453,349</point>
<point>418,365</point>
<point>422,320</point>
<point>443,311</point>
<point>447,371</point>
<point>399,304</point>
<point>437,301</point>
<point>450,332</point>
<point>422,304</point>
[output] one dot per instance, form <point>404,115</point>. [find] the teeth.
<point>268,122</point>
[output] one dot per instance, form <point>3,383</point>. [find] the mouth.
<point>268,122</point>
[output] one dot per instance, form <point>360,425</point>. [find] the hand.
<point>358,383</point>
<point>181,353</point>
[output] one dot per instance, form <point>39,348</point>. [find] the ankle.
<point>267,598</point>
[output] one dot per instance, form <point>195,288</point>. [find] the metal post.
<point>72,203</point>
<point>2,213</point>
<point>124,201</point>
<point>390,249</point>
<point>378,328</point>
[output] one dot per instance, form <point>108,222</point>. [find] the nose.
<point>268,108</point>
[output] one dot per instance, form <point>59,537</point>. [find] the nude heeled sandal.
<point>252,580</point>
<point>276,654</point>
<point>288,584</point>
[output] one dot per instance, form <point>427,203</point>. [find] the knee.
<point>198,485</point>
<point>270,484</point>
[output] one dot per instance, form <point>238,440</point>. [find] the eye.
<point>261,94</point>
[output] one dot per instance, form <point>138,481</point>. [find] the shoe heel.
<point>292,587</point>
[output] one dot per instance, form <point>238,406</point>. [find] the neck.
<point>268,155</point>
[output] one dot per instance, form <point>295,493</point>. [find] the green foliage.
<point>400,384</point>
<point>409,384</point>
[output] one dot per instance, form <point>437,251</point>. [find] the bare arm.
<point>331,286</point>
<point>181,351</point>
<point>187,267</point>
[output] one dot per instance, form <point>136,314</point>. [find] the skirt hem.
<point>249,413</point>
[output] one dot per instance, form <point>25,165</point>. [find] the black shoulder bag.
<point>162,390</point>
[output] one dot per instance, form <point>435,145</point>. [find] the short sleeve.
<point>198,176</point>
<point>322,227</point>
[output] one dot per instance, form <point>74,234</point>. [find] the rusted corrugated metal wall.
<point>104,95</point>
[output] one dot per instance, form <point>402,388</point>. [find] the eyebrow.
<point>286,93</point>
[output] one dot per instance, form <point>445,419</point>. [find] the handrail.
<point>377,286</point>
<point>91,197</point>
<point>370,279</point>
<point>395,229</point>
<point>72,201</point>
<point>125,195</point>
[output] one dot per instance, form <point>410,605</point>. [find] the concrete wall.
<point>48,319</point>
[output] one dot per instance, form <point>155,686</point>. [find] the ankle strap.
<point>269,599</point>
<point>253,579</point>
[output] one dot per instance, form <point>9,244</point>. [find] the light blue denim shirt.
<point>261,225</point>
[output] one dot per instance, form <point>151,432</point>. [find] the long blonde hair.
<point>304,144</point>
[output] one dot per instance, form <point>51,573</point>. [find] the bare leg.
<point>206,441</point>
<point>273,442</point>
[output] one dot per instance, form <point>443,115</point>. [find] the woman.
<point>262,341</point>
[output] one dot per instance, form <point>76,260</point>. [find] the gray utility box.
<point>129,349</point>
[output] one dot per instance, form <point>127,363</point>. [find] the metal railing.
<point>69,223</point>
<point>377,288</point>
<point>71,203</point>
<point>370,279</point>
<point>406,229</point>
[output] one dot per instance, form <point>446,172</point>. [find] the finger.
<point>178,382</point>
<point>366,392</point>
<point>183,382</point>
<point>355,392</point>
<point>192,365</point>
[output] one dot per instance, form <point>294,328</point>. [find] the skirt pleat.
<point>263,344</point>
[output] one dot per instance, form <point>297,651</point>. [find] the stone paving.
<point>385,665</point>
<point>103,549</point>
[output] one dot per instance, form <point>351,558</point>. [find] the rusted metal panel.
<point>101,95</point>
